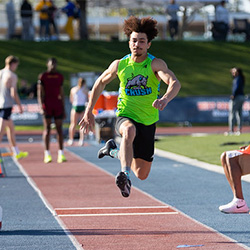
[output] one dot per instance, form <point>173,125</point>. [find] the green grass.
<point>205,148</point>
<point>201,67</point>
<point>28,128</point>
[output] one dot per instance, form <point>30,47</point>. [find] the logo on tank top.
<point>137,86</point>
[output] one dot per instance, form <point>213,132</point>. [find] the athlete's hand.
<point>160,103</point>
<point>20,109</point>
<point>87,123</point>
<point>41,111</point>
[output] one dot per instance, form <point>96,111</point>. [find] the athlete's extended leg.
<point>46,139</point>
<point>58,123</point>
<point>81,133</point>
<point>233,174</point>
<point>11,133</point>
<point>46,132</point>
<point>12,140</point>
<point>61,158</point>
<point>72,126</point>
<point>128,132</point>
<point>2,128</point>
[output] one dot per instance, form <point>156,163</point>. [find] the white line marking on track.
<point>47,204</point>
<point>178,158</point>
<point>115,214</point>
<point>112,208</point>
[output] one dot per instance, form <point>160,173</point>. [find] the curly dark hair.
<point>144,25</point>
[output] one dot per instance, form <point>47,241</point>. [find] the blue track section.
<point>27,222</point>
<point>194,191</point>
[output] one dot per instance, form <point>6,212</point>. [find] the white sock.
<point>60,152</point>
<point>237,200</point>
<point>46,152</point>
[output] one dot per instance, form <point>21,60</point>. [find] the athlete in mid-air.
<point>138,105</point>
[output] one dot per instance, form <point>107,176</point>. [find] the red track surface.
<point>92,208</point>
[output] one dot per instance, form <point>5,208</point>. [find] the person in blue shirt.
<point>69,9</point>
<point>236,101</point>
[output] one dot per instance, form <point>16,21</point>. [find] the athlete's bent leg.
<point>141,168</point>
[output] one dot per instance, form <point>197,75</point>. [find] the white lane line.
<point>112,208</point>
<point>32,183</point>
<point>115,214</point>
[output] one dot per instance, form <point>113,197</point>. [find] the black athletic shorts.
<point>143,145</point>
<point>5,113</point>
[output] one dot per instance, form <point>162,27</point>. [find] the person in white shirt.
<point>9,96</point>
<point>78,98</point>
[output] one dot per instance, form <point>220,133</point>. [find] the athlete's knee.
<point>223,158</point>
<point>128,132</point>
<point>47,128</point>
<point>141,175</point>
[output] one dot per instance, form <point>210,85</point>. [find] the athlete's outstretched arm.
<point>166,75</point>
<point>88,121</point>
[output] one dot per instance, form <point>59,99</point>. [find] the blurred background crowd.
<point>102,20</point>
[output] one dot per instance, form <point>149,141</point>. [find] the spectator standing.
<point>43,7</point>
<point>52,23</point>
<point>173,23</point>
<point>9,95</point>
<point>69,10</point>
<point>236,101</point>
<point>51,101</point>
<point>78,97</point>
<point>11,18</point>
<point>26,16</point>
<point>221,24</point>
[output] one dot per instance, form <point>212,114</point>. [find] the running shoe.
<point>80,143</point>
<point>47,159</point>
<point>234,207</point>
<point>21,155</point>
<point>123,183</point>
<point>61,158</point>
<point>1,217</point>
<point>110,144</point>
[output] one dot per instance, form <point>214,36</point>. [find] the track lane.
<point>82,184</point>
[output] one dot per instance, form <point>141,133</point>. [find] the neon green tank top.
<point>139,88</point>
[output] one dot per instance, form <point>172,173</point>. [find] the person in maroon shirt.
<point>51,101</point>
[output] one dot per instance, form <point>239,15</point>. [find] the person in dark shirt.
<point>236,101</point>
<point>26,16</point>
<point>51,100</point>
